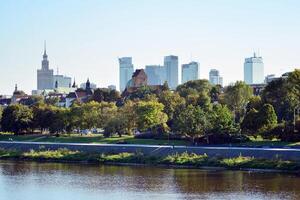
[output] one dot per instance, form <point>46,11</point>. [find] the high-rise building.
<point>171,65</point>
<point>45,75</point>
<point>126,71</point>
<point>156,74</point>
<point>254,70</point>
<point>215,78</point>
<point>61,81</point>
<point>189,72</point>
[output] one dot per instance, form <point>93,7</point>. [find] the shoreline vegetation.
<point>183,160</point>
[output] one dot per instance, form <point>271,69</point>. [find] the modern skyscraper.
<point>126,71</point>
<point>45,75</point>
<point>189,72</point>
<point>215,78</point>
<point>254,70</point>
<point>156,74</point>
<point>171,65</point>
<point>62,81</point>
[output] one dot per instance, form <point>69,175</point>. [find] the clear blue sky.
<point>85,38</point>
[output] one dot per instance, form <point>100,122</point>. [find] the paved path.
<point>159,150</point>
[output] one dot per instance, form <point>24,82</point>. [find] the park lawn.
<point>91,138</point>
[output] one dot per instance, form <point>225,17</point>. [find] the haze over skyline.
<point>85,38</point>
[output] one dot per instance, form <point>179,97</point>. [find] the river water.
<point>57,181</point>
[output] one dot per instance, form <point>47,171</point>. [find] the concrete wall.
<point>288,153</point>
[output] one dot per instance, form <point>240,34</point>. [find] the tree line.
<point>195,109</point>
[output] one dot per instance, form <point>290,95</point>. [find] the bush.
<point>222,139</point>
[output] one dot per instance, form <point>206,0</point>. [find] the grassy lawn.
<point>92,138</point>
<point>99,139</point>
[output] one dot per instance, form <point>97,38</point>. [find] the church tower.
<point>45,75</point>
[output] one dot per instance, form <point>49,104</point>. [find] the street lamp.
<point>296,115</point>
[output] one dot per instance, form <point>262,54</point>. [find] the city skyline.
<point>87,41</point>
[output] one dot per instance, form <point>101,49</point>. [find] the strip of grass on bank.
<point>100,139</point>
<point>90,138</point>
<point>184,159</point>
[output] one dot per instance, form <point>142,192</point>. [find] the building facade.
<point>61,81</point>
<point>189,72</point>
<point>125,70</point>
<point>156,74</point>
<point>45,75</point>
<point>215,78</point>
<point>171,65</point>
<point>254,70</point>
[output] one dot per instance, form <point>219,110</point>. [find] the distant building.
<point>189,72</point>
<point>171,65</point>
<point>270,78</point>
<point>126,71</point>
<point>45,75</point>
<point>92,85</point>
<point>254,70</point>
<point>81,95</point>
<point>18,95</point>
<point>61,81</point>
<point>112,87</point>
<point>215,78</point>
<point>156,74</point>
<point>139,79</point>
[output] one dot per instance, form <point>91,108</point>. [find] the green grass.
<point>91,138</point>
<point>99,139</point>
<point>183,159</point>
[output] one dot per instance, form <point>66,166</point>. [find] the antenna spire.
<point>44,47</point>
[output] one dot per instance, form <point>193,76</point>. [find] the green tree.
<point>250,124</point>
<point>267,117</point>
<point>255,102</point>
<point>257,121</point>
<point>150,114</point>
<point>173,103</point>
<point>128,116</point>
<point>194,87</point>
<point>221,119</point>
<point>284,95</point>
<point>105,94</point>
<point>16,118</point>
<point>192,121</point>
<point>237,97</point>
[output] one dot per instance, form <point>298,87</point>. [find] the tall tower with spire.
<point>45,75</point>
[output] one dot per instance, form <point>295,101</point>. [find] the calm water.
<point>43,181</point>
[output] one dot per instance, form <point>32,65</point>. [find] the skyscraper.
<point>45,75</point>
<point>254,70</point>
<point>62,81</point>
<point>189,72</point>
<point>156,74</point>
<point>126,71</point>
<point>171,64</point>
<point>215,78</point>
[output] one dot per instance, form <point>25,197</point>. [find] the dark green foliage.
<point>194,87</point>
<point>150,114</point>
<point>284,95</point>
<point>222,120</point>
<point>105,94</point>
<point>257,121</point>
<point>192,121</point>
<point>16,118</point>
<point>236,98</point>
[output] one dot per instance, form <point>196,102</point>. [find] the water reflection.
<point>31,180</point>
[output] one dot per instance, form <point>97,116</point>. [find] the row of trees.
<point>195,109</point>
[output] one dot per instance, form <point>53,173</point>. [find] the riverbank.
<point>129,139</point>
<point>183,160</point>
